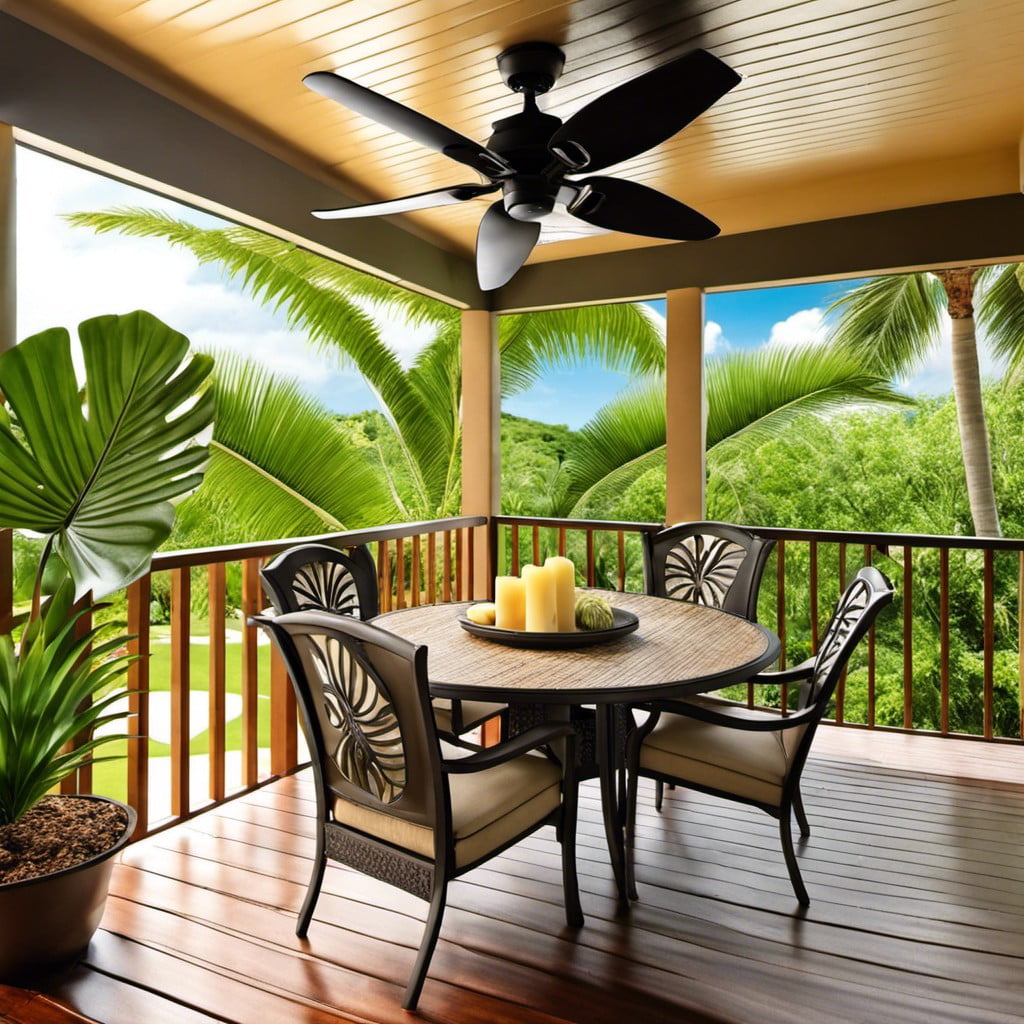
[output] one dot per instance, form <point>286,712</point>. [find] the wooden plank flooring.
<point>915,868</point>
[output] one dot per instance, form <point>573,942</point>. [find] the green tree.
<point>892,322</point>
<point>752,397</point>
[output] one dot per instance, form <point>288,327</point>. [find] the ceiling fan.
<point>533,157</point>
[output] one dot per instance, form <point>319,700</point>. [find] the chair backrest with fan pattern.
<point>316,576</point>
<point>708,563</point>
<point>366,711</point>
<point>856,610</point>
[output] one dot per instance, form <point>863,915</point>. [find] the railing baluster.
<point>1020,639</point>
<point>780,602</point>
<point>561,541</point>
<point>470,560</point>
<point>180,646</point>
<point>988,659</point>
<point>284,740</point>
<point>416,597</point>
<point>536,545</point>
<point>871,655</point>
<point>908,634</point>
<point>622,560</point>
<point>400,573</point>
<point>459,565</point>
<point>814,594</point>
<point>138,597</point>
<point>250,673</point>
<point>944,641</point>
<point>216,576</point>
<point>446,581</point>
<point>432,568</point>
<point>590,558</point>
<point>515,550</point>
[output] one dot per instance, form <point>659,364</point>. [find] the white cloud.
<point>935,375</point>
<point>714,339</point>
<point>805,327</point>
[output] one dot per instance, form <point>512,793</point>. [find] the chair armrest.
<point>796,674</point>
<point>753,721</point>
<point>513,748</point>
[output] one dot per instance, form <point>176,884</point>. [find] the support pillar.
<point>8,279</point>
<point>685,414</point>
<point>481,435</point>
<point>8,328</point>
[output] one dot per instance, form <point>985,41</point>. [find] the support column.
<point>8,328</point>
<point>481,434</point>
<point>8,279</point>
<point>685,414</point>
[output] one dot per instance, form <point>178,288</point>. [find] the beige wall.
<point>481,433</point>
<point>684,405</point>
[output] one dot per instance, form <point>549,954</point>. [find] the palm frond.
<point>1000,313</point>
<point>890,322</point>
<point>287,464</point>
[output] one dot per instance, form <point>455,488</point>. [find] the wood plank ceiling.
<point>847,107</point>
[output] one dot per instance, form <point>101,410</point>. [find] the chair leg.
<point>313,890</point>
<point>786,834</point>
<point>801,817</point>
<point>430,934</point>
<point>659,794</point>
<point>632,781</point>
<point>567,837</point>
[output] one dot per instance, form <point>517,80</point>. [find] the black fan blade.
<point>639,114</point>
<point>403,119</point>
<point>502,246</point>
<point>620,205</point>
<point>420,201</point>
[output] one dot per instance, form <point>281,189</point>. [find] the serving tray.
<point>624,623</point>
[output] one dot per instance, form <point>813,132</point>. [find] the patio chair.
<point>388,803</point>
<point>317,576</point>
<point>715,564</point>
<point>749,755</point>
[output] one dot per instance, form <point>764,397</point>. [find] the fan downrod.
<point>531,67</point>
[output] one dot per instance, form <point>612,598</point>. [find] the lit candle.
<point>540,599</point>
<point>565,592</point>
<point>509,602</point>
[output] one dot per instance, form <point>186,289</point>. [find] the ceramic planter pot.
<point>48,921</point>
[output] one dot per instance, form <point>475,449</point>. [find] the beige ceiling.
<point>846,107</point>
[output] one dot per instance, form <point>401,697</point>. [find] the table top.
<point>678,649</point>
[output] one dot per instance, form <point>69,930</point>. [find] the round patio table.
<point>678,650</point>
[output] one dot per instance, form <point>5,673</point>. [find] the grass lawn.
<point>109,778</point>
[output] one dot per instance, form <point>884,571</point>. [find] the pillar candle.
<point>509,602</point>
<point>540,599</point>
<point>565,592</point>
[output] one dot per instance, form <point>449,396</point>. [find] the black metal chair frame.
<point>839,641</point>
<point>356,565</point>
<point>741,595</point>
<point>425,877</point>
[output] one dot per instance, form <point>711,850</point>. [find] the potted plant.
<point>93,470</point>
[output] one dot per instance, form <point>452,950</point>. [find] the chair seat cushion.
<point>474,712</point>
<point>752,765</point>
<point>489,808</point>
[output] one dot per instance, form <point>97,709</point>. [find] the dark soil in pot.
<point>59,832</point>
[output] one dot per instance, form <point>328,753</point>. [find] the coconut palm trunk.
<point>970,409</point>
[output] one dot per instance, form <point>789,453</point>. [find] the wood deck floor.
<point>915,868</point>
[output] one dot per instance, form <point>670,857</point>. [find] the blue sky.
<point>66,275</point>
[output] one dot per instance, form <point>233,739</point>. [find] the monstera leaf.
<point>96,470</point>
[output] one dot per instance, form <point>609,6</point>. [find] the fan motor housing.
<point>531,67</point>
<point>529,196</point>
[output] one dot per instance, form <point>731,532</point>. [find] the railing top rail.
<point>348,538</point>
<point>894,540</point>
<point>880,540</point>
<point>578,524</point>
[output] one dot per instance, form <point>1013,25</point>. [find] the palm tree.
<point>892,322</point>
<point>752,397</point>
<point>333,305</point>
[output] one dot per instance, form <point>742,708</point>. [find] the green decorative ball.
<point>593,612</point>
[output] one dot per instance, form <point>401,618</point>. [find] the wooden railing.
<point>947,658</point>
<point>959,600</point>
<point>427,562</point>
